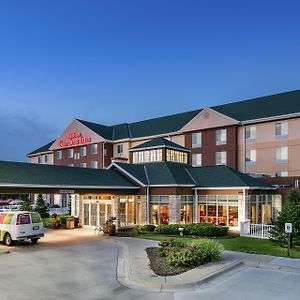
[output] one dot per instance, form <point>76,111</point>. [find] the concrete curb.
<point>270,266</point>
<point>160,283</point>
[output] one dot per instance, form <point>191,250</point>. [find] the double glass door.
<point>95,214</point>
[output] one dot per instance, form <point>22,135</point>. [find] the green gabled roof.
<point>159,173</point>
<point>159,143</point>
<point>42,149</point>
<point>224,177</point>
<point>161,125</point>
<point>262,107</point>
<point>15,173</point>
<point>105,131</point>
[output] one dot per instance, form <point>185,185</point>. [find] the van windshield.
<point>23,219</point>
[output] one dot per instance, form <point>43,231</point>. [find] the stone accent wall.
<point>142,214</point>
<point>174,212</point>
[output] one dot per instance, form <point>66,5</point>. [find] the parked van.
<point>20,226</point>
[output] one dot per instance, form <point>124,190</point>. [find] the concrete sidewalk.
<point>134,271</point>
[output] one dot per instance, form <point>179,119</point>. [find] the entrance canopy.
<point>18,177</point>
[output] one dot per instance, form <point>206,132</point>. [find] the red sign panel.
<point>74,139</point>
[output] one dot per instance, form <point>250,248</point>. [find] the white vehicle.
<point>20,226</point>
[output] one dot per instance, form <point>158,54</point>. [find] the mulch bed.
<point>160,266</point>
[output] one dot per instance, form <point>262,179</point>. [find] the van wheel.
<point>34,241</point>
<point>7,240</point>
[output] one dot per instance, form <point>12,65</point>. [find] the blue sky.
<point>127,60</point>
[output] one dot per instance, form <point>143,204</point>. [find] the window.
<point>94,148</point>
<point>83,151</point>
<point>221,158</point>
<point>147,156</point>
<point>251,157</point>
<point>59,155</point>
<point>281,129</point>
<point>196,139</point>
<point>177,156</point>
<point>83,165</point>
<point>221,136</point>
<point>46,159</point>
<point>70,165</point>
<point>282,174</point>
<point>95,164</point>
<point>281,155</point>
<point>120,150</point>
<point>23,219</point>
<point>39,160</point>
<point>76,155</point>
<point>70,153</point>
<point>251,132</point>
<point>197,160</point>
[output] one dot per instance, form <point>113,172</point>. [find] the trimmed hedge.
<point>142,229</point>
<point>198,229</point>
<point>179,254</point>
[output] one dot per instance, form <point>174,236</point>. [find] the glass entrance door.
<point>95,214</point>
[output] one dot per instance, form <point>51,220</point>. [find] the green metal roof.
<point>105,131</point>
<point>224,177</point>
<point>42,149</point>
<point>159,143</point>
<point>262,107</point>
<point>15,173</point>
<point>171,173</point>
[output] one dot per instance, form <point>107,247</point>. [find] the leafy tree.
<point>40,207</point>
<point>26,205</point>
<point>290,213</point>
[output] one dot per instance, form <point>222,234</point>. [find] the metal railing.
<point>261,231</point>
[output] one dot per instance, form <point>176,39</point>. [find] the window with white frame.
<point>39,160</point>
<point>120,150</point>
<point>281,129</point>
<point>221,158</point>
<point>251,132</point>
<point>95,164</point>
<point>70,165</point>
<point>221,136</point>
<point>196,139</point>
<point>77,156</point>
<point>59,155</point>
<point>70,153</point>
<point>46,159</point>
<point>282,174</point>
<point>83,165</point>
<point>83,151</point>
<point>282,155</point>
<point>251,156</point>
<point>94,148</point>
<point>196,160</point>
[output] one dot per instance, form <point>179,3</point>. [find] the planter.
<point>111,230</point>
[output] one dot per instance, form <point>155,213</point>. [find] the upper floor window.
<point>281,129</point>
<point>196,139</point>
<point>59,155</point>
<point>251,156</point>
<point>94,148</point>
<point>70,153</point>
<point>221,158</point>
<point>221,136</point>
<point>120,150</point>
<point>76,156</point>
<point>282,155</point>
<point>282,174</point>
<point>177,156</point>
<point>83,165</point>
<point>95,164</point>
<point>196,160</point>
<point>147,156</point>
<point>83,151</point>
<point>70,165</point>
<point>251,132</point>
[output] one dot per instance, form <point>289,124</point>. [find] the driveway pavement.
<point>79,264</point>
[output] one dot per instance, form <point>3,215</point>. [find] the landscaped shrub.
<point>169,246</point>
<point>198,229</point>
<point>194,255</point>
<point>142,229</point>
<point>150,228</point>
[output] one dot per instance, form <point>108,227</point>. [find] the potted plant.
<point>55,221</point>
<point>110,226</point>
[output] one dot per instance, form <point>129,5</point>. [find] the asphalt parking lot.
<point>80,264</point>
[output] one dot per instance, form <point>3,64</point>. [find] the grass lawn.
<point>241,244</point>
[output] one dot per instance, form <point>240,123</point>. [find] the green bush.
<point>198,229</point>
<point>170,246</point>
<point>195,255</point>
<point>150,228</point>
<point>142,229</point>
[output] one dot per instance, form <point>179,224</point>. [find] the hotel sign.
<point>74,139</point>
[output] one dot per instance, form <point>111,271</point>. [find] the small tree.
<point>40,207</point>
<point>26,205</point>
<point>290,213</point>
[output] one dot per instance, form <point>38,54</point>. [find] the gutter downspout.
<point>196,207</point>
<point>103,164</point>
<point>244,157</point>
<point>148,205</point>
